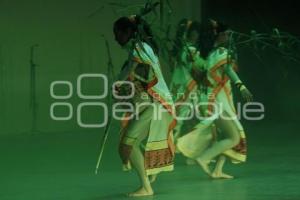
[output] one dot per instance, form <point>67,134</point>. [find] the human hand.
<point>246,94</point>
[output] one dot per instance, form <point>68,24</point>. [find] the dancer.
<point>198,144</point>
<point>187,57</point>
<point>151,99</point>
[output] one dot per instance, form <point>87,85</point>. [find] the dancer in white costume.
<point>199,143</point>
<point>151,93</point>
<point>186,58</point>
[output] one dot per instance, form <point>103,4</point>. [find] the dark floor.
<point>61,166</point>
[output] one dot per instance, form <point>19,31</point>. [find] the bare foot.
<point>141,192</point>
<point>152,178</point>
<point>204,165</point>
<point>221,175</point>
<point>190,161</point>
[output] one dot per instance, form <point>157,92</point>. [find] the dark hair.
<point>184,28</point>
<point>210,30</point>
<point>194,26</point>
<point>140,28</point>
<point>124,23</point>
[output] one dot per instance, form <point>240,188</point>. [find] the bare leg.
<point>204,165</point>
<point>152,178</point>
<point>229,128</point>
<point>141,127</point>
<point>218,171</point>
<point>137,161</point>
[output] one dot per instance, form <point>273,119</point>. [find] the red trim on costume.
<point>156,96</point>
<point>125,121</point>
<point>221,80</point>
<point>241,147</point>
<point>169,108</point>
<point>214,70</point>
<point>190,87</point>
<point>138,60</point>
<point>152,83</point>
<point>158,158</point>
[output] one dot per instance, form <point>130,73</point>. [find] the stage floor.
<point>60,166</point>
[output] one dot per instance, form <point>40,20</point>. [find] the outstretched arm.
<point>246,94</point>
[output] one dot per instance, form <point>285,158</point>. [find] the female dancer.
<point>219,107</point>
<point>153,121</point>
<point>187,57</point>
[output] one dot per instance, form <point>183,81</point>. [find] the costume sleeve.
<point>229,65</point>
<point>229,71</point>
<point>142,58</point>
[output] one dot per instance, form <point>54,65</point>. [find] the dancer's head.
<point>193,32</point>
<point>126,28</point>
<point>187,31</point>
<point>221,32</point>
<point>213,33</point>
